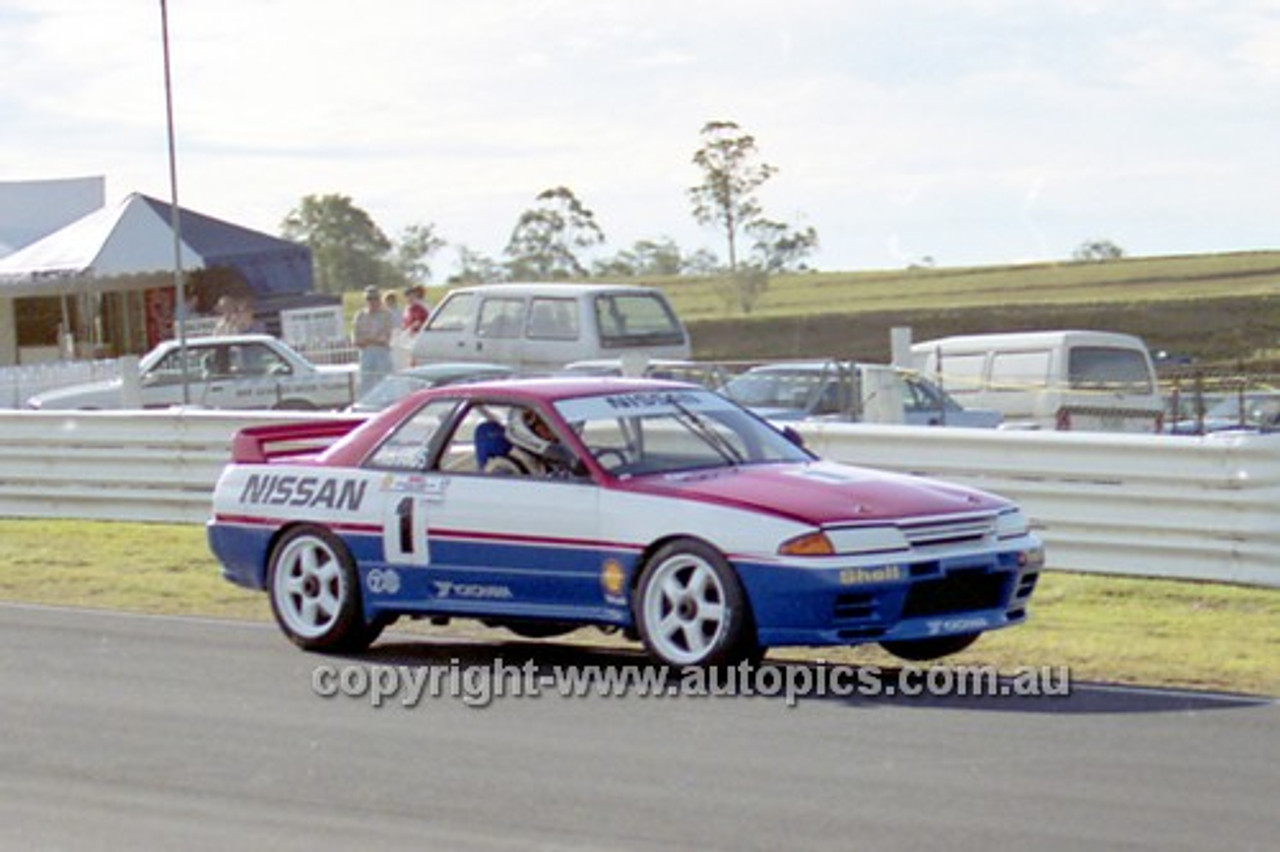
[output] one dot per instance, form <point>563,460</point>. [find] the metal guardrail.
<point>1148,505</point>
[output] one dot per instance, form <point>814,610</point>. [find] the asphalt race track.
<point>135,732</point>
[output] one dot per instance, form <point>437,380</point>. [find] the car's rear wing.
<point>262,444</point>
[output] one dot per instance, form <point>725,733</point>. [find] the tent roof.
<point>135,237</point>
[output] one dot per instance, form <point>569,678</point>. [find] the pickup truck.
<point>247,371</point>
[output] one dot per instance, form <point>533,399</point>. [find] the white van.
<point>545,326</point>
<point>1081,380</point>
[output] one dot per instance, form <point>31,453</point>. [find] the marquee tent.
<point>135,238</point>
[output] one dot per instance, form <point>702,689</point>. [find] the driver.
<point>531,445</point>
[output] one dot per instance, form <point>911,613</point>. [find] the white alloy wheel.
<point>692,610</point>
<point>314,592</point>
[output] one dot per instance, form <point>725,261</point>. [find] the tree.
<point>348,249</point>
<point>730,176</point>
<point>414,250</point>
<point>1097,250</point>
<point>546,239</point>
<point>646,257</point>
<point>476,268</point>
<point>780,248</point>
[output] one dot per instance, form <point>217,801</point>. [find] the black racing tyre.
<point>922,650</point>
<point>690,607</point>
<point>315,593</point>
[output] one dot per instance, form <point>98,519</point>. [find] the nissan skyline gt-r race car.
<point>657,508</point>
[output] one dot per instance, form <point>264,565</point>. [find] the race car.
<point>656,508</point>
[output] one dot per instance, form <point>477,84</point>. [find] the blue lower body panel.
<point>922,600</point>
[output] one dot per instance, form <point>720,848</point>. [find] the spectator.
<point>227,311</point>
<point>417,313</point>
<point>371,332</point>
<point>392,302</point>
<point>244,319</point>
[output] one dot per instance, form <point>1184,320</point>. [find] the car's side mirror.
<point>793,436</point>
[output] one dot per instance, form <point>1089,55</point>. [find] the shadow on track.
<point>614,673</point>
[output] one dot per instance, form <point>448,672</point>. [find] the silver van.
<point>543,326</point>
<point>1080,380</point>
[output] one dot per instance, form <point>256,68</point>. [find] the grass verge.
<point>1112,629</point>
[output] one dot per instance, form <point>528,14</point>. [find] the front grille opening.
<point>950,532</point>
<point>1027,585</point>
<point>855,606</point>
<point>964,590</point>
<point>925,569</point>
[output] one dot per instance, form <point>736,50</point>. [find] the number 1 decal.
<point>404,532</point>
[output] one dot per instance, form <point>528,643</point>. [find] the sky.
<point>969,132</point>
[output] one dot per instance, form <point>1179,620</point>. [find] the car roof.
<point>453,368</point>
<point>1017,339</point>
<point>554,388</point>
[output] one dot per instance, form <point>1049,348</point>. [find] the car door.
<point>500,323</point>
<point>463,541</point>
<point>516,544</point>
<point>241,375</point>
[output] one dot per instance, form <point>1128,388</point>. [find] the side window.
<point>410,446</point>
<point>501,317</point>
<point>553,319</point>
<point>918,397</point>
<point>479,437</point>
<point>169,368</point>
<point>453,313</point>
<point>1020,371</point>
<point>636,318</point>
<point>254,360</point>
<point>961,374</point>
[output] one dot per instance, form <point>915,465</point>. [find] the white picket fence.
<point>1148,505</point>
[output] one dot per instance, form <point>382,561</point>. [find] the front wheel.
<point>315,593</point>
<point>922,650</point>
<point>692,610</point>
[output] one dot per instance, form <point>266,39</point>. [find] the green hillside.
<point>1218,308</point>
<point>1215,307</point>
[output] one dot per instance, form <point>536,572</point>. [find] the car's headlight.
<point>809,544</point>
<point>846,541</point>
<point>1011,523</point>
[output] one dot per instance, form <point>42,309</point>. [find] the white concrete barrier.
<point>1194,508</point>
<point>1170,506</point>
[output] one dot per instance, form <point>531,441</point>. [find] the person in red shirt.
<point>417,312</point>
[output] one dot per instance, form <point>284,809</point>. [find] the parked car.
<point>249,371</point>
<point>543,326</point>
<point>706,374</point>
<point>1080,380</point>
<point>662,509</point>
<point>400,384</point>
<point>1253,411</point>
<point>833,390</point>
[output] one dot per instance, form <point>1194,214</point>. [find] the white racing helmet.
<point>521,432</point>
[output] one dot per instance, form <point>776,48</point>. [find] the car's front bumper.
<point>894,601</point>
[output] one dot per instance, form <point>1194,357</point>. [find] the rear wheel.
<point>691,609</point>
<point>315,593</point>
<point>921,650</point>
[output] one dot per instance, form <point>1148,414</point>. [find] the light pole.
<point>175,220</point>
